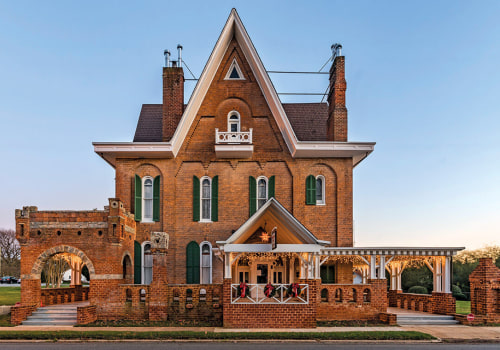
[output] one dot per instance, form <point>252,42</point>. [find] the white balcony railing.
<point>233,137</point>
<point>256,295</point>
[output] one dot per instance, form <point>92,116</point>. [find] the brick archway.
<point>36,270</point>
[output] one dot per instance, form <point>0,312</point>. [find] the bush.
<point>418,290</point>
<point>457,293</point>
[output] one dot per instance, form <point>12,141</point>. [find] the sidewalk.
<point>454,333</point>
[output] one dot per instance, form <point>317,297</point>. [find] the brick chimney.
<point>337,112</point>
<point>173,100</point>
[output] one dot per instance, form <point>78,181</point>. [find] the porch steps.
<point>53,315</point>
<point>426,320</point>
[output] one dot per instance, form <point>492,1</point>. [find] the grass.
<point>351,323</point>
<point>180,335</point>
<point>5,321</point>
<point>168,323</point>
<point>10,295</point>
<point>463,307</point>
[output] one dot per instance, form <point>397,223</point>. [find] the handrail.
<point>233,137</point>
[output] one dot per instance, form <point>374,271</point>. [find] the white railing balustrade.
<point>256,295</point>
<point>233,137</point>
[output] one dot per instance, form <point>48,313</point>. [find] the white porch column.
<point>394,277</point>
<point>446,275</point>
<point>373,267</point>
<point>317,274</point>
<point>437,274</point>
<point>227,265</point>
<point>381,269</point>
<point>291,270</point>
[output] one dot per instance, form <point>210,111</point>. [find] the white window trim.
<point>230,114</point>
<point>234,64</point>
<point>322,202</point>
<point>257,190</point>
<point>143,265</point>
<point>201,200</point>
<point>201,261</point>
<point>148,220</point>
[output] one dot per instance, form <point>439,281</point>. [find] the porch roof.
<point>405,251</point>
<point>289,230</point>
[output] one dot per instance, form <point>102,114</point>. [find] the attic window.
<point>234,72</point>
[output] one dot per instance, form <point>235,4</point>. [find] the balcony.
<point>233,144</point>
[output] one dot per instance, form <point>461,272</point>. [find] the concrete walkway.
<point>448,333</point>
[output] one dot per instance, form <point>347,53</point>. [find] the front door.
<point>262,273</point>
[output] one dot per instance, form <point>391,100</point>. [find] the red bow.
<point>295,287</point>
<point>268,289</point>
<point>243,289</point>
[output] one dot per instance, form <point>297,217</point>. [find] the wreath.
<point>243,290</point>
<point>293,290</point>
<point>269,290</point>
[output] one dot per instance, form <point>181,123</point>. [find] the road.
<point>240,346</point>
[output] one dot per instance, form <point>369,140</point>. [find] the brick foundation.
<point>86,314</point>
<point>20,313</point>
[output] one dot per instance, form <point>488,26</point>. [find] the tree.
<point>54,270</point>
<point>10,253</point>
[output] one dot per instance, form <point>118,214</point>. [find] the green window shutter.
<point>196,199</point>
<point>138,198</point>
<point>253,195</point>
<point>193,263</point>
<point>137,262</point>
<point>156,198</point>
<point>310,190</point>
<point>270,188</point>
<point>215,198</point>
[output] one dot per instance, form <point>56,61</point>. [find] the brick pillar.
<point>337,111</point>
<point>392,297</point>
<point>379,294</point>
<point>443,303</point>
<point>173,100</point>
<point>158,289</point>
<point>31,291</point>
<point>227,309</point>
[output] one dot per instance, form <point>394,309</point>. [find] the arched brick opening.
<point>36,270</point>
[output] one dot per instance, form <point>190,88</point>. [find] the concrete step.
<point>52,323</point>
<point>53,315</point>
<point>424,319</point>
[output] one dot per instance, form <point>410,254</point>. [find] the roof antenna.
<point>179,49</point>
<point>166,53</point>
<point>336,50</point>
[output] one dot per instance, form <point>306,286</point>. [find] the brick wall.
<point>270,315</point>
<point>86,314</point>
<point>485,291</point>
<point>21,312</point>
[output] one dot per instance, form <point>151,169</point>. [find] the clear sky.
<point>423,81</point>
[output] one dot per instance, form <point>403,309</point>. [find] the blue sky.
<point>422,77</point>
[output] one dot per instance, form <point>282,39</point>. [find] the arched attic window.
<point>233,121</point>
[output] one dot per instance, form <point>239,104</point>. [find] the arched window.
<point>206,199</point>
<point>261,192</point>
<point>147,263</point>
<point>147,199</point>
<point>233,122</point>
<point>320,190</point>
<point>192,263</point>
<point>206,263</point>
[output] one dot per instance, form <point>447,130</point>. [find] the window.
<point>192,263</point>
<point>315,190</point>
<point>137,262</point>
<point>206,197</point>
<point>327,273</point>
<point>207,201</point>
<point>234,72</point>
<point>233,122</point>
<point>206,263</point>
<point>147,199</point>
<point>147,263</point>
<point>260,191</point>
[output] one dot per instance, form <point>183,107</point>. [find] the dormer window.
<point>233,122</point>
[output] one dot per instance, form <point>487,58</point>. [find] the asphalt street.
<point>241,346</point>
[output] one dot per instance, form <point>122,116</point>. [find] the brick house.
<point>217,199</point>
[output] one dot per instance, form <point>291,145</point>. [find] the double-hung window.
<point>205,199</point>
<point>147,198</point>
<point>261,189</point>
<point>315,190</point>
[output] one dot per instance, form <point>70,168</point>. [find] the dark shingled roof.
<point>308,121</point>
<point>149,126</point>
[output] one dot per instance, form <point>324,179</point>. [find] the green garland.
<point>247,291</point>
<point>273,291</point>
<point>290,290</point>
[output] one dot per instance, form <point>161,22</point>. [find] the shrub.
<point>418,290</point>
<point>457,293</point>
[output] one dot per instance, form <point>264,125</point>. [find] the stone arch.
<point>147,169</point>
<point>36,270</point>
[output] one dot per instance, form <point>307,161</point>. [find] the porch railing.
<point>281,296</point>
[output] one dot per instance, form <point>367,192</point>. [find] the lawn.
<point>10,295</point>
<point>463,307</point>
